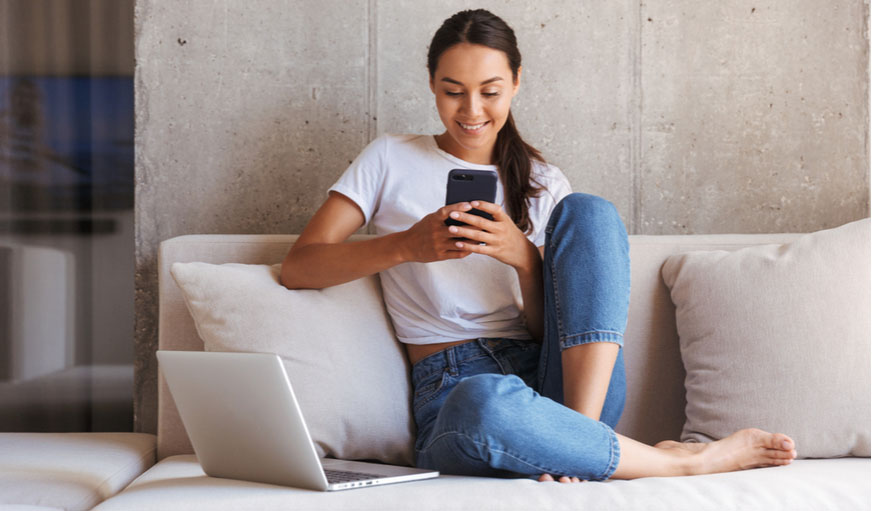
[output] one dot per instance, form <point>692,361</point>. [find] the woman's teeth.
<point>471,127</point>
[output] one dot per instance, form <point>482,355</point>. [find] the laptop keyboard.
<point>342,476</point>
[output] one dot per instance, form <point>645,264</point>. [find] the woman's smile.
<point>473,129</point>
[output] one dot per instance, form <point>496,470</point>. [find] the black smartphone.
<point>465,185</point>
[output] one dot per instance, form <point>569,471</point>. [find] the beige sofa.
<point>654,411</point>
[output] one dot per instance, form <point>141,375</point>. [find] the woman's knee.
<point>586,206</point>
<point>585,215</point>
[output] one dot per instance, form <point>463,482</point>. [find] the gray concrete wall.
<point>691,117</point>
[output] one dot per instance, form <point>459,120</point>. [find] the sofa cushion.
<point>178,483</point>
<point>777,337</point>
<point>348,371</point>
<point>69,471</point>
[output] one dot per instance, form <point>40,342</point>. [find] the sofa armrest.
<point>70,471</point>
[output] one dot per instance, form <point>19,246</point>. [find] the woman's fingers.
<point>457,231</point>
<point>489,207</point>
<point>474,246</point>
<point>444,211</point>
<point>475,220</point>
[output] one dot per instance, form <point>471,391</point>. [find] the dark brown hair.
<point>514,157</point>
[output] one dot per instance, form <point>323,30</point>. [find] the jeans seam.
<point>419,402</point>
<point>555,291</point>
<point>444,368</point>
<point>483,444</point>
<point>594,336</point>
<point>614,453</point>
<point>490,352</point>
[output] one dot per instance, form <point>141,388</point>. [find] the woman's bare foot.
<point>548,477</point>
<point>746,448</point>
<point>686,448</point>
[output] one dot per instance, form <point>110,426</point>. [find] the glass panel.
<point>66,215</point>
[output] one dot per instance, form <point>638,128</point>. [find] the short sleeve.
<point>363,180</point>
<point>556,187</point>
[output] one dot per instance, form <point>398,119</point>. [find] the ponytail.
<point>514,159</point>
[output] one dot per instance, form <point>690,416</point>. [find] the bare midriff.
<point>418,351</point>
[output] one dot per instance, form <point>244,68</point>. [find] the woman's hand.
<point>506,243</point>
<point>429,240</point>
<point>503,240</point>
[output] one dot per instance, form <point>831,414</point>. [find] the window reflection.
<point>66,215</point>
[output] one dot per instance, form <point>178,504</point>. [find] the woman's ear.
<point>432,86</point>
<point>517,83</point>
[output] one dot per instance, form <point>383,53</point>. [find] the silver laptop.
<point>244,422</point>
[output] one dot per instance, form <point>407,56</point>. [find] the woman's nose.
<point>472,104</point>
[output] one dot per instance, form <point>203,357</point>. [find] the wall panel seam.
<point>635,124</point>
<point>864,25</point>
<point>372,70</point>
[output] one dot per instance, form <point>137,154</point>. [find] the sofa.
<point>656,409</point>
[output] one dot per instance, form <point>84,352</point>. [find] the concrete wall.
<point>691,117</point>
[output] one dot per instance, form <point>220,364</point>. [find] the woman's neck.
<point>480,156</point>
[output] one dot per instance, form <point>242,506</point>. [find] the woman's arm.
<point>533,293</point>
<point>320,259</point>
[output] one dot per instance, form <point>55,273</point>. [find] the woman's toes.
<point>782,455</point>
<point>563,479</point>
<point>782,442</point>
<point>778,462</point>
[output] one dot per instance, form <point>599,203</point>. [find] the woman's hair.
<point>514,157</point>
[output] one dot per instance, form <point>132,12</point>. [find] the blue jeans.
<point>494,407</point>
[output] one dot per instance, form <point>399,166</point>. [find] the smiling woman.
<point>525,318</point>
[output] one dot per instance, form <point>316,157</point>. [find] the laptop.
<point>244,422</point>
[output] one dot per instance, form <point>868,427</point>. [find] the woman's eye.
<point>453,93</point>
<point>490,94</point>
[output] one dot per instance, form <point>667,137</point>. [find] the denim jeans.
<point>494,406</point>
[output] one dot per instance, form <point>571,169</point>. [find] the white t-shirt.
<point>399,179</point>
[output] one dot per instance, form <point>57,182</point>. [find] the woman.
<point>516,332</point>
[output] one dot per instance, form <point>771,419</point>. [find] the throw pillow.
<point>777,337</point>
<point>348,371</point>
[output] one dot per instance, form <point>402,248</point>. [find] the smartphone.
<point>465,185</point>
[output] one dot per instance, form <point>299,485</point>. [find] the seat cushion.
<point>178,483</point>
<point>69,471</point>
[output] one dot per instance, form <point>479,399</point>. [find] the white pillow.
<point>777,337</point>
<point>348,371</point>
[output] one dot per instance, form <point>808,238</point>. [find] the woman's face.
<point>474,89</point>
